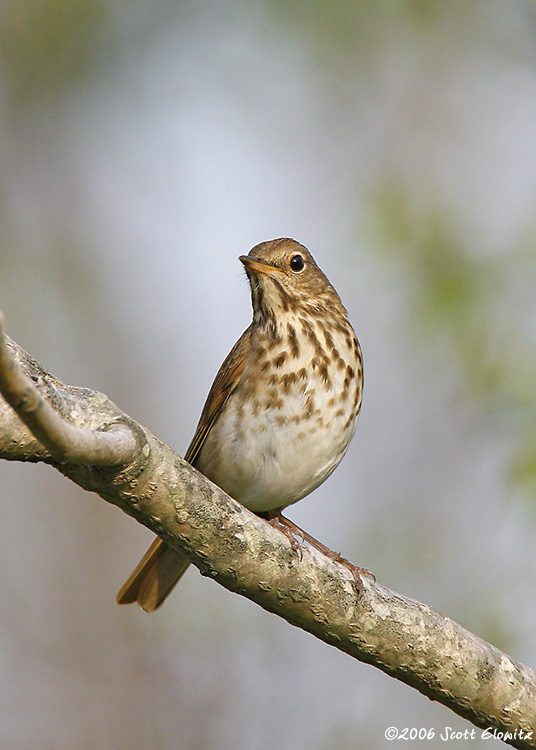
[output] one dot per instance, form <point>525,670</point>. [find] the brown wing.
<point>224,384</point>
<point>161,568</point>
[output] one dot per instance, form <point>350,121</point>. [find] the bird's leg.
<point>276,520</point>
<point>291,530</point>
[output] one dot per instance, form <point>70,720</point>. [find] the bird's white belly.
<point>274,457</point>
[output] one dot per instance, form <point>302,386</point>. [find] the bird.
<point>282,410</point>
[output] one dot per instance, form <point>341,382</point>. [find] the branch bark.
<point>92,442</point>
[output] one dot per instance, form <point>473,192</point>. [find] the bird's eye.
<point>297,263</point>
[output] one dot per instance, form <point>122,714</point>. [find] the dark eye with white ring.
<point>297,263</point>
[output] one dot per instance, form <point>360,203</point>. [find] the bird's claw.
<point>296,545</point>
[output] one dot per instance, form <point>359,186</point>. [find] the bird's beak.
<point>254,265</point>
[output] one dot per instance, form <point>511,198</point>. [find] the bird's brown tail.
<point>155,576</point>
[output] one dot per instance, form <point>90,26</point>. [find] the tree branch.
<point>87,438</point>
<point>66,442</point>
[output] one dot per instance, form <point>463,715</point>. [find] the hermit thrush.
<point>282,409</point>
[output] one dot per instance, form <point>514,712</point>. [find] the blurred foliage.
<point>44,44</point>
<point>348,29</point>
<point>461,303</point>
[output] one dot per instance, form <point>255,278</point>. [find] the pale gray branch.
<point>66,442</point>
<point>406,639</point>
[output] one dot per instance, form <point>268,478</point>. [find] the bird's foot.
<point>356,571</point>
<point>292,531</point>
<point>277,522</point>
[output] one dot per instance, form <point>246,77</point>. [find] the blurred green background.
<point>143,147</point>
